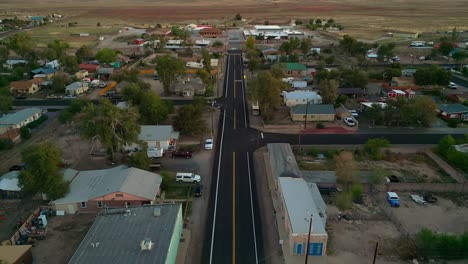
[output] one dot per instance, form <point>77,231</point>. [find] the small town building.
<point>255,108</point>
<point>313,112</point>
<point>81,74</point>
<point>301,97</point>
<point>298,209</point>
<point>9,188</point>
<point>352,92</point>
<point>20,118</point>
<point>161,137</point>
<point>210,32</point>
<point>394,94</point>
<point>142,234</point>
<point>139,42</point>
<point>26,87</point>
<point>103,73</point>
<point>93,191</point>
<point>293,69</point>
<point>44,73</point>
<point>91,68</point>
<point>410,93</point>
<point>454,111</point>
<point>9,64</point>
<point>189,87</point>
<point>271,54</point>
<point>402,81</point>
<point>76,88</point>
<point>16,254</point>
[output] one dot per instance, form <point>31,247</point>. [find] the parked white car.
<point>187,177</point>
<point>349,121</point>
<point>209,144</point>
<point>452,85</point>
<point>354,113</point>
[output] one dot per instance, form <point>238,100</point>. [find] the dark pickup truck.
<point>181,154</point>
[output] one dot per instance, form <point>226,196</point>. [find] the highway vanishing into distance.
<point>234,230</point>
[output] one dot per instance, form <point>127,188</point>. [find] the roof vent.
<point>157,211</point>
<point>146,244</point>
<point>289,158</point>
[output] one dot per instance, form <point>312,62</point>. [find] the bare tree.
<point>346,169</point>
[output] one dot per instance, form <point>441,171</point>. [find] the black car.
<point>20,97</point>
<point>17,167</point>
<point>181,154</point>
<point>199,190</point>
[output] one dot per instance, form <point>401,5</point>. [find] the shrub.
<point>313,152</point>
<point>5,144</point>
<point>356,192</point>
<point>344,201</point>
<point>373,147</point>
<point>440,245</point>
<point>25,133</point>
<point>37,122</point>
<point>65,116</point>
<point>320,125</point>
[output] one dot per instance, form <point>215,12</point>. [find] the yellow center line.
<point>235,118</point>
<point>233,207</point>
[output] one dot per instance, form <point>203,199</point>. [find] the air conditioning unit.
<point>146,244</point>
<point>157,211</point>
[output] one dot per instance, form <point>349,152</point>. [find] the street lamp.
<point>308,238</point>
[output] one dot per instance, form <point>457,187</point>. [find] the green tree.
<point>112,126</point>
<point>432,75</point>
<point>306,45</point>
<point>374,147</point>
<point>56,50</point>
<point>205,77</point>
<point>266,89</point>
<point>180,32</point>
<point>353,47</point>
<point>445,144</point>
<point>21,43</point>
<point>346,169</point>
<point>445,47</point>
<point>133,93</point>
<point>140,159</point>
<point>238,17</point>
<point>422,110</point>
<point>385,50</point>
<point>70,64</point>
<point>152,109</point>
<point>328,91</point>
<point>6,100</point>
<point>168,69</point>
<point>189,119</point>
<point>250,43</point>
<point>59,81</point>
<point>84,53</point>
<point>126,75</point>
<point>375,114</point>
<point>354,78</point>
<point>330,59</point>
<point>42,173</point>
<point>377,177</point>
<point>277,72</point>
<point>4,52</point>
<point>206,59</point>
<point>106,55</point>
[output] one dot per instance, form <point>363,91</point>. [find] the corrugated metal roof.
<point>20,116</point>
<point>453,108</point>
<point>300,205</point>
<point>116,237</point>
<point>313,109</point>
<point>282,160</point>
<point>157,133</point>
<point>9,181</point>
<point>294,95</point>
<point>96,183</point>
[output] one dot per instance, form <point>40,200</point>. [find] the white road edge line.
<point>227,75</point>
<point>251,207</point>
<point>217,185</point>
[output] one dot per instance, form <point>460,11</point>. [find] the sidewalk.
<point>446,167</point>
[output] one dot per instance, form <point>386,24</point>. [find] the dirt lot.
<point>443,216</point>
<point>64,234</point>
<point>367,19</point>
<point>354,241</point>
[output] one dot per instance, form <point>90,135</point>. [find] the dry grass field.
<point>362,18</point>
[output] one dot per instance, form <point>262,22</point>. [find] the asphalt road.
<point>233,231</point>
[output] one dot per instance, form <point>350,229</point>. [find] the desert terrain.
<point>359,18</point>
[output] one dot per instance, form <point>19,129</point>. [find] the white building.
<point>273,32</point>
<point>301,97</point>
<point>20,118</point>
<point>76,88</point>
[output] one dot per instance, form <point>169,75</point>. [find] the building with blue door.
<point>301,203</point>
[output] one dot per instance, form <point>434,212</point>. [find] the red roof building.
<point>139,42</point>
<point>91,68</point>
<point>211,32</point>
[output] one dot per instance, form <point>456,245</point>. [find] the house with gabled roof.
<point>26,87</point>
<point>94,190</point>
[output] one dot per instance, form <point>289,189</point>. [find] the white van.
<point>187,177</point>
<point>195,65</point>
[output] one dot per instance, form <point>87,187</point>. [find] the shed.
<point>9,188</point>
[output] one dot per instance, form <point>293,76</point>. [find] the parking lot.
<point>443,216</point>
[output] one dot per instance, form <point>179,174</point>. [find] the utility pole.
<point>375,251</point>
<point>307,111</point>
<point>212,125</point>
<point>308,239</point>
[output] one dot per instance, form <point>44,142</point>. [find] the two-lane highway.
<point>233,229</point>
